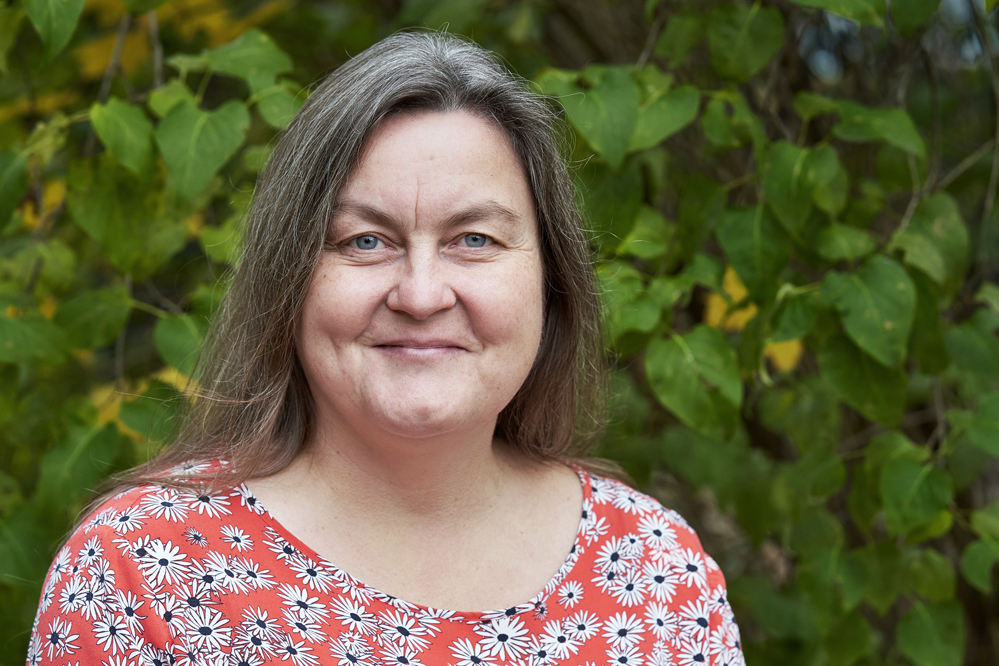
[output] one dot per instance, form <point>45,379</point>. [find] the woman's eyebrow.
<point>472,213</point>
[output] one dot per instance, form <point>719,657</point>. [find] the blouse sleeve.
<point>96,607</point>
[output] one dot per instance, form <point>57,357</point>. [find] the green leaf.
<point>117,210</point>
<point>650,237</point>
<point>976,564</point>
<point>860,124</point>
<point>988,294</point>
<point>869,387</point>
<point>983,430</point>
<point>793,320</point>
<point>912,493</point>
<point>933,634</point>
<point>31,339</point>
<point>94,318</point>
<point>850,639</point>
<point>936,240</point>
<point>706,270</point>
<point>13,183</point>
<point>717,125</point>
<point>278,104</point>
<point>163,99</point>
<point>839,242</point>
<point>71,470</point>
<point>195,144</point>
<point>55,21</point>
<point>757,248</point>
<point>877,306</point>
<point>788,187</point>
<point>677,367</point>
<point>253,57</point>
<point>125,132</point>
<point>867,12</point>
<point>681,35</point>
<point>742,40</point>
<point>10,24</point>
<point>974,353</point>
<point>153,413</point>
<point>910,15</point>
<point>602,104</point>
<point>809,105</point>
<point>926,344</point>
<point>931,575</point>
<point>716,361</point>
<point>874,573</point>
<point>222,243</point>
<point>830,185</point>
<point>612,199</point>
<point>626,308</point>
<point>663,116</point>
<point>179,340</point>
<point>985,522</point>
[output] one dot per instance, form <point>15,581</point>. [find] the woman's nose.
<point>423,287</point>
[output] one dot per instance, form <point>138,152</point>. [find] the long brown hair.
<point>253,405</point>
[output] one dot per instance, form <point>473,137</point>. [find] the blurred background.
<point>792,207</point>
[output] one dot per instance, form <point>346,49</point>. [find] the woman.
<point>399,374</point>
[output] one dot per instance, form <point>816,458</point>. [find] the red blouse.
<point>163,576</point>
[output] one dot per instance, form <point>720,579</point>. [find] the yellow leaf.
<point>48,307</point>
<point>94,56</point>
<point>53,195</point>
<point>45,105</point>
<point>29,217</point>
<point>12,311</point>
<point>716,309</point>
<point>194,225</point>
<point>211,17</point>
<point>174,378</point>
<point>784,355</point>
<point>84,356</point>
<point>107,12</point>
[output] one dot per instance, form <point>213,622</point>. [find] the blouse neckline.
<point>475,617</point>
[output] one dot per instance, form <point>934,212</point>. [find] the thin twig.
<point>934,171</point>
<point>965,164</point>
<point>163,300</point>
<point>115,62</point>
<point>650,41</point>
<point>990,194</point>
<point>917,195</point>
<point>154,38</point>
<point>109,71</point>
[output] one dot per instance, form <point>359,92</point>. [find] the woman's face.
<point>425,312</point>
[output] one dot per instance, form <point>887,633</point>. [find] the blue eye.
<point>366,243</point>
<point>476,240</point>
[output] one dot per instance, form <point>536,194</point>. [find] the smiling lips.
<point>421,348</point>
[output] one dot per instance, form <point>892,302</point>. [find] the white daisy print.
<point>214,506</point>
<point>570,594</point>
<point>60,640</point>
<point>296,652</point>
<point>112,635</point>
<point>582,626</point>
<point>690,566</point>
<point>469,654</point>
<point>695,619</point>
<point>236,538</point>
<point>350,651</point>
<point>661,621</point>
<point>505,638</point>
<point>164,563</point>
<point>626,654</point>
<point>623,628</point>
<point>308,629</point>
<point>298,599</point>
<point>128,521</point>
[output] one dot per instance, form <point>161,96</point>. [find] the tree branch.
<point>154,38</point>
<point>990,193</point>
<point>965,164</point>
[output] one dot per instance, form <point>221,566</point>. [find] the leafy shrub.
<point>793,206</point>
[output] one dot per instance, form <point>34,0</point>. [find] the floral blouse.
<point>160,576</point>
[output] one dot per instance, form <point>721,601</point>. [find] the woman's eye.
<point>366,243</point>
<point>476,240</point>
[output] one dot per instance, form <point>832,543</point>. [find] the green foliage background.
<point>799,266</point>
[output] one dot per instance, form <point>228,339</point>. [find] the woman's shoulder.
<point>626,513</point>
